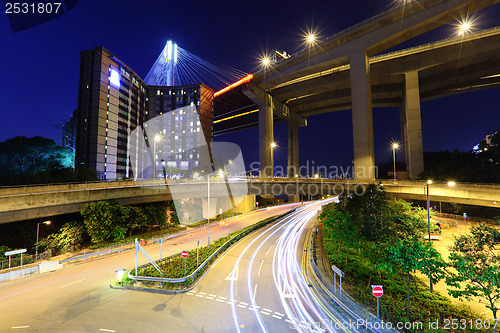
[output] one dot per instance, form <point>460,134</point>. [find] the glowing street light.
<point>273,145</point>
<point>451,183</point>
<point>119,275</point>
<point>311,38</point>
<point>465,26</point>
<point>395,146</point>
<point>266,61</point>
<point>221,173</point>
<point>37,233</point>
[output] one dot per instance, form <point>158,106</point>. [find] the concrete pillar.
<point>414,151</point>
<point>362,119</point>
<point>266,137</point>
<point>293,148</point>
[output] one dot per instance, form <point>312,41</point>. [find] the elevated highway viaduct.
<point>23,203</point>
<point>348,71</point>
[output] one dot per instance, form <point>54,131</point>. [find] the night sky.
<point>40,67</point>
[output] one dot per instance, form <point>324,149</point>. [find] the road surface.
<point>256,286</point>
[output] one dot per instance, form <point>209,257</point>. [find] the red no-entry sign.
<point>184,254</point>
<point>377,291</point>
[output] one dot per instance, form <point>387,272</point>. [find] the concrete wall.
<point>17,274</point>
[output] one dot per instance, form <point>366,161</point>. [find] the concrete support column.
<point>362,119</point>
<point>414,151</point>
<point>266,137</point>
<point>293,148</point>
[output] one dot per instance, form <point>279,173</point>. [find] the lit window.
<point>114,78</point>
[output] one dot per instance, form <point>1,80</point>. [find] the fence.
<point>469,218</point>
<point>187,282</point>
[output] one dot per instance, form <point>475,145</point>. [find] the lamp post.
<point>208,208</point>
<point>394,147</point>
<point>273,147</point>
<point>450,183</point>
<point>429,219</point>
<point>156,139</point>
<point>37,234</point>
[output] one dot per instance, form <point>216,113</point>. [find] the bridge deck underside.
<point>445,68</point>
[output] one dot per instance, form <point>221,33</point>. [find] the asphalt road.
<point>255,286</point>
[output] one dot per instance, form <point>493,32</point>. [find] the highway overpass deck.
<point>23,203</point>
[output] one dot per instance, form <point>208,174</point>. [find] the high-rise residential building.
<point>184,123</point>
<point>111,104</point>
<point>115,108</point>
<point>69,132</point>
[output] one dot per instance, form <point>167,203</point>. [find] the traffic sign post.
<point>184,255</point>
<point>197,253</point>
<point>338,272</point>
<point>377,291</point>
<point>11,253</point>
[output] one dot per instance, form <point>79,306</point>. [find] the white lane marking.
<point>267,310</point>
<point>208,297</point>
<point>222,297</point>
<point>219,300</point>
<point>14,327</point>
<point>106,330</point>
<point>69,284</point>
<point>279,314</point>
<point>200,296</point>
<point>287,320</point>
<point>260,268</point>
<point>254,292</point>
<point>241,306</point>
<point>266,313</point>
<point>269,249</point>
<point>233,276</point>
<point>277,317</point>
<point>202,293</point>
<point>231,303</point>
<point>212,295</point>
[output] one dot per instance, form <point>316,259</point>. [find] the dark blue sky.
<point>40,67</point>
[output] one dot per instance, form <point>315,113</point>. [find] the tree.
<point>381,220</point>
<point>71,234</point>
<point>410,255</point>
<point>476,260</point>
<point>21,158</point>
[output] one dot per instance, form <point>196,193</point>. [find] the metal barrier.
<point>191,279</point>
<point>345,301</point>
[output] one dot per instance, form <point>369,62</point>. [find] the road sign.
<point>184,254</point>
<point>377,291</point>
<point>11,253</point>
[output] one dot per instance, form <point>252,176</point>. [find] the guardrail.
<point>185,283</point>
<point>345,302</point>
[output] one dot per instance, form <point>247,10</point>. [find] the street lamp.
<point>37,234</point>
<point>429,182</point>
<point>429,220</point>
<point>273,147</point>
<point>394,147</point>
<point>156,139</point>
<point>119,275</point>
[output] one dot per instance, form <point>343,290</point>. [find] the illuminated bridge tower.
<point>165,70</point>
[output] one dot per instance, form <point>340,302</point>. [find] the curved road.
<point>256,286</point>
